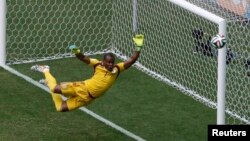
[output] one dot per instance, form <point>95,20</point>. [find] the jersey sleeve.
<point>93,62</point>
<point>121,66</point>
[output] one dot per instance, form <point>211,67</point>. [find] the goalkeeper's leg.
<point>72,90</point>
<point>77,94</point>
<point>73,102</point>
<point>52,84</point>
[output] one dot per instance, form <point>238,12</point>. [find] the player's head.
<point>109,61</point>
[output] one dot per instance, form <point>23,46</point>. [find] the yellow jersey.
<point>102,79</point>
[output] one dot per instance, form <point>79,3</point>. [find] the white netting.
<point>232,10</point>
<point>170,46</point>
<point>38,30</point>
<point>176,47</point>
<point>237,13</point>
<point>176,54</point>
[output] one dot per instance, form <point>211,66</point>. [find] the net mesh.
<point>176,50</point>
<point>232,10</point>
<point>237,13</point>
<point>38,30</point>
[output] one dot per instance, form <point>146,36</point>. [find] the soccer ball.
<point>218,41</point>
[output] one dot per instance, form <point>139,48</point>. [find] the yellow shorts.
<point>77,94</point>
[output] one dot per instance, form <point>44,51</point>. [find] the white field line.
<point>91,113</point>
<point>182,88</point>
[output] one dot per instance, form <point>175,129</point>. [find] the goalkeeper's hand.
<point>138,40</point>
<point>74,49</point>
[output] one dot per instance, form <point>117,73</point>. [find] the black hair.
<point>108,54</point>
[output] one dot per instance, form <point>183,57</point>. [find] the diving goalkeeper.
<point>82,93</point>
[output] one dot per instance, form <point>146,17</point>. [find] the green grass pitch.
<point>137,102</point>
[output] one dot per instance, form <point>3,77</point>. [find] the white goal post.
<point>44,33</point>
<point>221,70</point>
<point>221,53</point>
<point>2,32</point>
<point>166,26</point>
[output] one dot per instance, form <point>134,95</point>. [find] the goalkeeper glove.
<point>138,40</point>
<point>74,49</point>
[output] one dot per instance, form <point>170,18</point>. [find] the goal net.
<point>42,30</point>
<point>176,50</point>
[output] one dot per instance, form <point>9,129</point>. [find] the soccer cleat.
<point>40,68</point>
<point>43,81</point>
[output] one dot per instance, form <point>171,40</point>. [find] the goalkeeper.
<point>82,93</point>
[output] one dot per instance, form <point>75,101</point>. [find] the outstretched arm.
<point>138,40</point>
<point>132,59</point>
<point>74,49</point>
<point>83,58</point>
